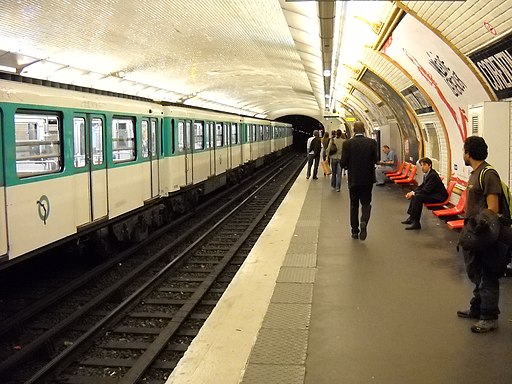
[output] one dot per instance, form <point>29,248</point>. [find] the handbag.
<point>326,166</point>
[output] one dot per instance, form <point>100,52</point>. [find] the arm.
<point>492,202</point>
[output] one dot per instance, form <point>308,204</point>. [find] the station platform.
<point>312,305</point>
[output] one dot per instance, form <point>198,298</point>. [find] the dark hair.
<point>476,147</point>
<point>425,160</point>
<point>359,127</point>
<point>338,133</point>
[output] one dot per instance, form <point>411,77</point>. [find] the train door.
<point>3,213</point>
<point>88,147</point>
<point>150,149</point>
<point>229,146</point>
<point>189,160</point>
<point>210,147</point>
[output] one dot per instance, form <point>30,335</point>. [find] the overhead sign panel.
<point>495,64</point>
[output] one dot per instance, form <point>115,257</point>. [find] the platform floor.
<point>312,305</point>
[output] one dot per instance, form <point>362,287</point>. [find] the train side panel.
<point>38,214</point>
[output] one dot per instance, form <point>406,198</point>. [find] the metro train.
<point>72,161</point>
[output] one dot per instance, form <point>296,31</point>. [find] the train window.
<point>97,141</point>
<point>144,133</point>
<point>181,136</point>
<point>209,134</point>
<point>234,134</point>
<point>123,139</point>
<point>188,134</point>
<point>254,133</point>
<point>153,143</point>
<point>79,142</point>
<point>219,139</point>
<point>38,143</point>
<point>198,135</point>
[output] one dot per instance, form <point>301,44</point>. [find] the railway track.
<point>132,321</point>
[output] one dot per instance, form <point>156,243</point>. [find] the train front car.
<point>71,160</point>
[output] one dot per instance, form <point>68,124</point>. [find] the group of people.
<point>485,266</point>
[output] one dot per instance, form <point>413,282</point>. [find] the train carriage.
<point>71,161</point>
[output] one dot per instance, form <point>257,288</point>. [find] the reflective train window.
<point>234,134</point>
<point>79,142</point>
<point>144,137</point>
<point>198,135</point>
<point>219,139</point>
<point>123,139</point>
<point>209,134</point>
<point>153,148</point>
<point>181,136</point>
<point>38,143</point>
<point>97,141</point>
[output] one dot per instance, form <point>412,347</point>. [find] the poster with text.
<point>444,76</point>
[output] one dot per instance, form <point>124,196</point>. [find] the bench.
<point>454,211</point>
<point>397,171</point>
<point>409,179</point>
<point>402,175</point>
<point>449,189</point>
<point>455,224</point>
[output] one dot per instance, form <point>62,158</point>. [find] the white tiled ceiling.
<point>259,57</point>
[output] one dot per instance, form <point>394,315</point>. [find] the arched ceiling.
<point>262,58</point>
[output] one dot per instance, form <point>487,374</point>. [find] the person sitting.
<point>388,163</point>
<point>432,190</point>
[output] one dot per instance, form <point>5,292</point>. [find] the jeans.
<point>336,173</point>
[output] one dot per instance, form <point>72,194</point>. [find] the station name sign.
<point>495,64</point>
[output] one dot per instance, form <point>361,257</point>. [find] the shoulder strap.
<point>482,173</point>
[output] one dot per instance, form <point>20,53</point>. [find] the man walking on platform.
<point>359,155</point>
<point>432,190</point>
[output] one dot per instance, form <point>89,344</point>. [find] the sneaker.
<point>484,326</point>
<point>363,233</point>
<point>337,189</point>
<point>467,314</point>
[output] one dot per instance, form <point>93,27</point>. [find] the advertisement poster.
<point>449,82</point>
<point>401,112</point>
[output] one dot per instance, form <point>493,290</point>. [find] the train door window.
<point>79,142</point>
<point>219,139</point>
<point>153,144</point>
<point>254,133</point>
<point>144,137</point>
<point>188,134</point>
<point>38,143</point>
<point>181,136</point>
<point>225,133</point>
<point>248,133</point>
<point>209,134</point>
<point>234,134</point>
<point>198,135</point>
<point>123,139</point>
<point>97,141</point>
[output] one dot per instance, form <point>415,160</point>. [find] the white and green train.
<point>72,162</point>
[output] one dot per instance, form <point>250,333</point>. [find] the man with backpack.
<point>484,266</point>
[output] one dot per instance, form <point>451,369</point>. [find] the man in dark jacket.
<point>359,155</point>
<point>432,190</point>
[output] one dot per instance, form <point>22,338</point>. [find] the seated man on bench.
<point>432,190</point>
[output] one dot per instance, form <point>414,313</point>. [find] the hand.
<point>409,195</point>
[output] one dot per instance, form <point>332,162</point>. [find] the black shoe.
<point>415,225</point>
<point>467,314</point>
<point>407,221</point>
<point>380,184</point>
<point>315,178</point>
<point>363,233</point>
<point>355,236</point>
